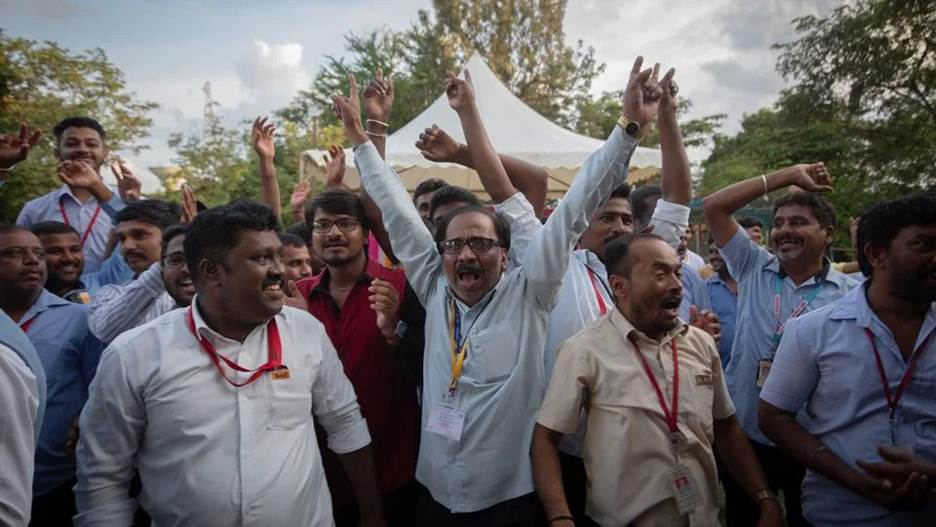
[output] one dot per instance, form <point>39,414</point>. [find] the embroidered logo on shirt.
<point>703,379</point>
<point>280,375</point>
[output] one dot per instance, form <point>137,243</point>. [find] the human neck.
<point>894,311</point>
<point>344,276</point>
<point>81,194</point>
<point>15,303</point>
<point>800,270</point>
<point>60,288</point>
<point>212,312</point>
<point>652,331</point>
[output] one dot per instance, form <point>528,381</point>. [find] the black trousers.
<point>783,473</point>
<point>524,511</point>
<point>399,508</point>
<point>574,483</point>
<point>54,508</point>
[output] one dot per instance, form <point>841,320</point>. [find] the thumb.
<point>468,76</point>
<point>894,455</point>
<point>292,290</point>
<point>693,313</point>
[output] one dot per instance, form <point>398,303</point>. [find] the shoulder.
<point>301,321</point>
<point>701,342</point>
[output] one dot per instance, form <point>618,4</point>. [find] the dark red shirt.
<point>385,392</point>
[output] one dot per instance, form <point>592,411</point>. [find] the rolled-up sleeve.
<point>742,255</point>
<point>670,221</point>
<point>523,225</point>
<point>111,424</point>
<point>335,404</point>
<point>794,373</point>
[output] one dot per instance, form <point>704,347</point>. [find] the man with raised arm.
<point>773,289</point>
<point>485,330</point>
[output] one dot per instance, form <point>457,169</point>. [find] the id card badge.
<point>684,489</point>
<point>763,370</point>
<point>446,419</point>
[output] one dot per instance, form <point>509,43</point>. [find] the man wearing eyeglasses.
<point>375,321</point>
<point>69,353</point>
<point>486,329</point>
<point>118,308</point>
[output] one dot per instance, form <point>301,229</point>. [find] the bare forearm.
<point>740,459</point>
<point>100,192</point>
<point>269,187</point>
<point>547,472</point>
<point>720,205</point>
<point>359,467</point>
<point>378,136</point>
<point>532,180</point>
<point>484,158</point>
<point>676,181</point>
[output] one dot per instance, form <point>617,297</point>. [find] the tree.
<point>875,60</point>
<point>42,84</point>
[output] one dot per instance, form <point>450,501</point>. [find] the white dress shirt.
<point>122,307</point>
<point>19,403</point>
<point>208,453</point>
<point>503,378</point>
<point>48,207</point>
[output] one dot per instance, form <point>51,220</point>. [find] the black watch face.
<point>632,129</point>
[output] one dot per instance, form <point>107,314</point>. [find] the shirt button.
<point>244,398</point>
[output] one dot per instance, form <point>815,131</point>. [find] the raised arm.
<point>676,180</point>
<point>411,240</point>
<point>548,256</point>
<point>118,308</point>
<point>261,137</point>
<point>720,205</point>
<point>378,101</point>
<point>435,144</point>
<point>15,148</point>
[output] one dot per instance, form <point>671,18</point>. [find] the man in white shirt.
<point>212,405</point>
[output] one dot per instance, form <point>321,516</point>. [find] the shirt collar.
<point>46,300</point>
<point>202,328</point>
<point>482,301</point>
<point>827,274</point>
<point>855,306</point>
<point>626,328</point>
<point>371,270</point>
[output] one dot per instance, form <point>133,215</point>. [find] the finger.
<point>353,92</point>
<point>380,74</point>
<point>894,455</point>
<point>668,78</point>
<point>291,290</point>
<point>389,83</point>
<point>693,312</point>
<point>24,131</point>
<point>638,62</point>
<point>656,73</point>
<point>117,173</point>
<point>643,76</point>
<point>468,76</point>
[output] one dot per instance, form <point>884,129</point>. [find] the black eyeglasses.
<point>477,245</point>
<point>344,225</point>
<point>173,260</point>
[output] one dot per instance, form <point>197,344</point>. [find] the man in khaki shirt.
<point>648,463</point>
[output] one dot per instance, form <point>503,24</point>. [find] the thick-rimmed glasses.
<point>173,260</point>
<point>344,225</point>
<point>477,245</point>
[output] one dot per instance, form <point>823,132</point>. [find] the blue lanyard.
<point>804,304</point>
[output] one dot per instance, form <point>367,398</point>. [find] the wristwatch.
<point>631,128</point>
<point>400,329</point>
<point>765,495</point>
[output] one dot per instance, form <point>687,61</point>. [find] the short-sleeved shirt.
<point>627,448</point>
<point>825,361</point>
<point>724,302</point>
<point>757,272</point>
<point>386,394</point>
<point>693,293</point>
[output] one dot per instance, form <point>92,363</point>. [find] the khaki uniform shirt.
<point>627,450</point>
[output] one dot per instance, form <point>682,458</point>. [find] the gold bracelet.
<point>375,121</point>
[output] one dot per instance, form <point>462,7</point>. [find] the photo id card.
<point>684,489</point>
<point>763,370</point>
<point>446,420</point>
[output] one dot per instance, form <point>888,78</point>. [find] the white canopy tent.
<point>514,128</point>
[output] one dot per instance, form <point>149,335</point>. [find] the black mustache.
<point>275,280</point>
<point>336,244</point>
<point>468,268</point>
<point>671,301</point>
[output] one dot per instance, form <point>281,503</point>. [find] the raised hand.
<point>378,97</point>
<point>348,111</point>
<point>15,148</point>
<point>299,196</point>
<point>261,137</point>
<point>189,205</point>
<point>294,297</point>
<point>668,91</point>
<point>386,302</point>
<point>436,145</point>
<point>460,92</point>
<point>128,186</point>
<point>642,94</point>
<point>78,174</point>
<point>705,320</point>
<point>335,167</point>
<point>809,177</point>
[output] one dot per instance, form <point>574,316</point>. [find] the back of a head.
<point>336,201</point>
<point>291,240</point>
<point>156,212</point>
<point>821,209</point>
<point>641,204</point>
<point>218,230</point>
<point>747,222</point>
<point>302,230</point>
<point>501,225</point>
<point>428,185</point>
<point>880,224</point>
<point>77,122</point>
<point>171,232</point>
<point>44,228</point>
<point>618,253</point>
<point>452,194</point>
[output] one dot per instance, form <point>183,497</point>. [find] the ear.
<point>877,256</point>
<point>56,153</point>
<point>503,260</point>
<point>620,286</point>
<point>210,271</point>
<point>830,231</point>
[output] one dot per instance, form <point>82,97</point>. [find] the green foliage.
<point>42,83</point>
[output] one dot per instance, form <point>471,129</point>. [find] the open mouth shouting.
<point>468,275</point>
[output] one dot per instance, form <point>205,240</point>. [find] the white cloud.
<point>273,69</point>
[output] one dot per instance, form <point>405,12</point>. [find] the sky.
<point>258,54</point>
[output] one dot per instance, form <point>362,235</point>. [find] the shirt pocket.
<point>697,399</point>
<point>289,401</point>
<point>493,353</point>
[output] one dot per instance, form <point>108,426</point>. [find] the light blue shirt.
<point>724,303</point>
<point>503,379</point>
<point>69,354</point>
<point>825,361</point>
<point>48,207</point>
<point>113,271</point>
<point>756,270</point>
<point>693,293</point>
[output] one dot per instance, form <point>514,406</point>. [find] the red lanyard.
<point>25,325</point>
<point>87,232</point>
<point>673,411</point>
<point>894,398</point>
<point>274,352</point>
<point>602,306</point>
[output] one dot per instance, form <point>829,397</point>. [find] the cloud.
<point>758,25</point>
<point>273,69</point>
<point>731,75</point>
<point>45,8</point>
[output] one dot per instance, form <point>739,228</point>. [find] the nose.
<point>31,258</point>
<point>305,270</point>
<point>466,254</point>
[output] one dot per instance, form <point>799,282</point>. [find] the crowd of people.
<point>432,360</point>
